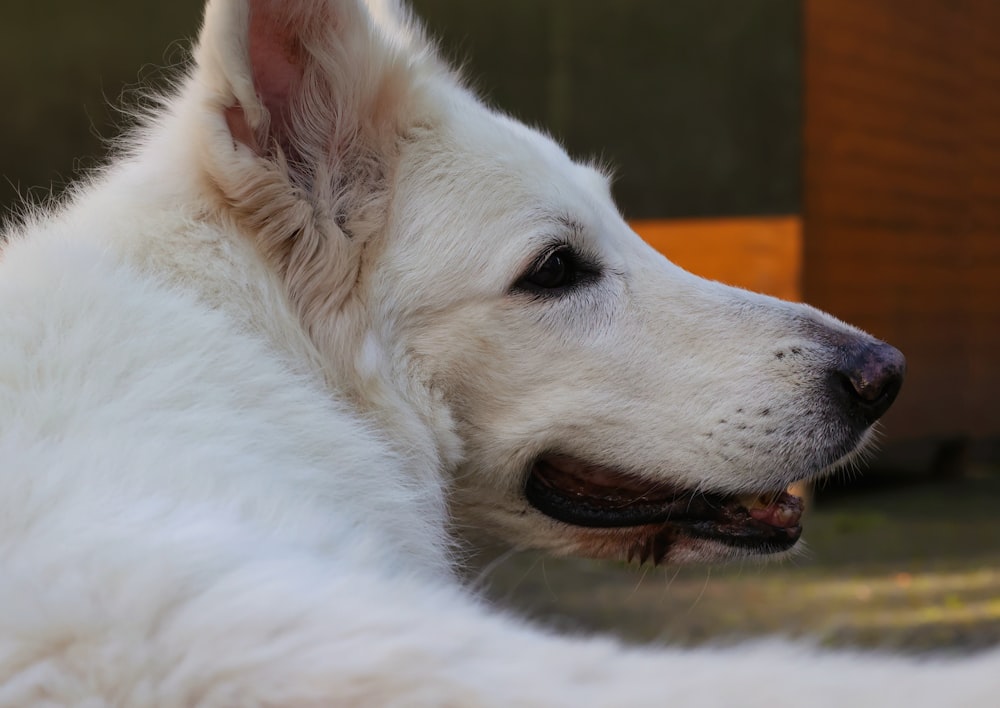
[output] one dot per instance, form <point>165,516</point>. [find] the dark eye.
<point>560,269</point>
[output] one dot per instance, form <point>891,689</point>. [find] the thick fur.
<point>254,375</point>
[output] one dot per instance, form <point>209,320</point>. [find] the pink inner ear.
<point>277,61</point>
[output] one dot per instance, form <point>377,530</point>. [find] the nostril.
<point>869,379</point>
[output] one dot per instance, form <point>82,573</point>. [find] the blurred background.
<point>841,152</point>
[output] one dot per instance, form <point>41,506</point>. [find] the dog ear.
<point>307,102</point>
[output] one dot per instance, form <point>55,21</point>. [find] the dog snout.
<point>867,379</point>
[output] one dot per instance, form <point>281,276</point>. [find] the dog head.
<point>477,290</point>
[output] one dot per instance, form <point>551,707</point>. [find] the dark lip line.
<point>768,539</point>
<point>687,514</point>
<point>682,508</point>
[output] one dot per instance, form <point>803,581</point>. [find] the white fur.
<point>252,374</point>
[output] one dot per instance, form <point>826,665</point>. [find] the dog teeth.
<point>784,516</point>
<point>774,509</point>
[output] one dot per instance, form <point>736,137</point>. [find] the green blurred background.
<point>712,85</point>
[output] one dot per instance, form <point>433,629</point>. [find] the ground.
<point>903,567</point>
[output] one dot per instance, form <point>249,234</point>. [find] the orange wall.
<point>901,196</point>
<point>758,253</point>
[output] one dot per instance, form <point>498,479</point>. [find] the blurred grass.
<point>914,569</point>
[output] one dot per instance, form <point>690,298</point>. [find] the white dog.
<point>328,306</point>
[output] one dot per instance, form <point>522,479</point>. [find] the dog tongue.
<point>782,511</point>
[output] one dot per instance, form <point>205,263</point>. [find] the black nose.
<point>867,379</point>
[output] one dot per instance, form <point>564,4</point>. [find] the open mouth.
<point>596,497</point>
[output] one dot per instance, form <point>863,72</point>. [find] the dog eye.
<point>559,269</point>
<point>556,271</point>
